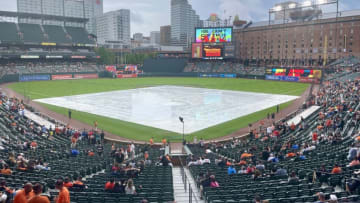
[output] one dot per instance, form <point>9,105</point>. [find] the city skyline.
<point>147,16</point>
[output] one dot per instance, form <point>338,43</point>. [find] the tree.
<point>106,56</point>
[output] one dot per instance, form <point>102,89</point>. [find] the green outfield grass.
<point>46,89</point>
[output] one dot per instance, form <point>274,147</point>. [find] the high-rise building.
<point>138,37</point>
<point>114,26</point>
<point>183,22</point>
<point>70,8</point>
<point>155,37</point>
<point>165,35</point>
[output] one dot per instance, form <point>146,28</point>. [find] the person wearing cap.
<point>38,198</point>
<point>231,170</point>
<point>333,199</point>
<point>64,195</point>
<point>321,197</point>
<point>25,194</point>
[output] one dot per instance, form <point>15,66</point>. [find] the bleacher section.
<point>32,33</point>
<point>295,150</point>
<point>153,182</point>
<point>79,35</point>
<point>56,34</point>
<point>8,32</point>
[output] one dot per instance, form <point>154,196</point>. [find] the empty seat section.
<point>8,32</point>
<point>56,34</point>
<point>32,32</point>
<point>79,35</point>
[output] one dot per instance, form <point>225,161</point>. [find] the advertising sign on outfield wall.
<point>26,78</point>
<point>127,76</point>
<point>86,76</point>
<point>61,77</point>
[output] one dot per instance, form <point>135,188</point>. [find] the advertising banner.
<point>197,50</point>
<point>282,78</point>
<point>26,78</point>
<point>215,75</point>
<point>86,76</point>
<point>127,76</point>
<point>111,68</point>
<point>61,77</point>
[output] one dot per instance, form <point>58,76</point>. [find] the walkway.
<point>181,195</point>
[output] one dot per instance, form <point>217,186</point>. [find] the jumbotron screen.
<point>213,51</point>
<point>213,35</point>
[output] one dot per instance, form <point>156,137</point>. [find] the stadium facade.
<point>68,8</point>
<point>299,43</point>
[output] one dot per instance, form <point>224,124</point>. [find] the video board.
<point>294,74</point>
<point>213,51</point>
<point>213,35</point>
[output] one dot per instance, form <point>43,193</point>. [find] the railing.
<point>187,184</point>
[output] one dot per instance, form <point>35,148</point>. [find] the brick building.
<point>299,43</point>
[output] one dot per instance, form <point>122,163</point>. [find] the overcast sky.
<point>149,15</point>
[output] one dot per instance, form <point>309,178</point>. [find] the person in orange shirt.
<point>68,183</point>
<point>146,155</point>
<point>79,183</point>
<point>336,169</point>
<point>64,195</point>
<point>109,186</point>
<point>25,194</point>
<point>91,153</point>
<point>151,141</point>
<point>38,188</point>
<point>164,142</point>
<point>6,170</point>
<point>33,145</point>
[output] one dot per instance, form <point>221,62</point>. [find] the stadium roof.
<point>42,16</point>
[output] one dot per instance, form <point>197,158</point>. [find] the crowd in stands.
<point>223,67</point>
<point>60,164</point>
<point>55,67</point>
<point>288,162</point>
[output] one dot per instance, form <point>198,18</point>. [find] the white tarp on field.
<point>161,106</point>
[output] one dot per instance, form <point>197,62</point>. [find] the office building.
<point>114,26</point>
<point>183,22</point>
<point>165,35</point>
<point>155,37</point>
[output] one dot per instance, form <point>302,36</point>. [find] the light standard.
<point>181,119</point>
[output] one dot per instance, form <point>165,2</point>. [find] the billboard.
<point>293,74</point>
<point>131,68</point>
<point>86,76</point>
<point>26,78</point>
<point>213,35</point>
<point>61,77</point>
<point>197,50</point>
<point>213,51</point>
<point>229,51</point>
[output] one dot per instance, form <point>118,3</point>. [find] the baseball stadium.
<point>245,112</point>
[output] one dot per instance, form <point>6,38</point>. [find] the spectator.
<point>5,192</point>
<point>281,172</point>
<point>336,169</point>
<point>321,197</point>
<point>25,194</point>
<point>64,195</point>
<point>130,188</point>
<point>352,152</point>
<point>109,186</point>
<point>38,198</point>
<point>293,179</point>
<point>6,170</point>
<point>354,162</point>
<point>78,183</point>
<point>67,183</point>
<point>231,170</point>
<point>213,182</point>
<point>119,188</point>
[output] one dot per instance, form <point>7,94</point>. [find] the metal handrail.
<point>186,181</point>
